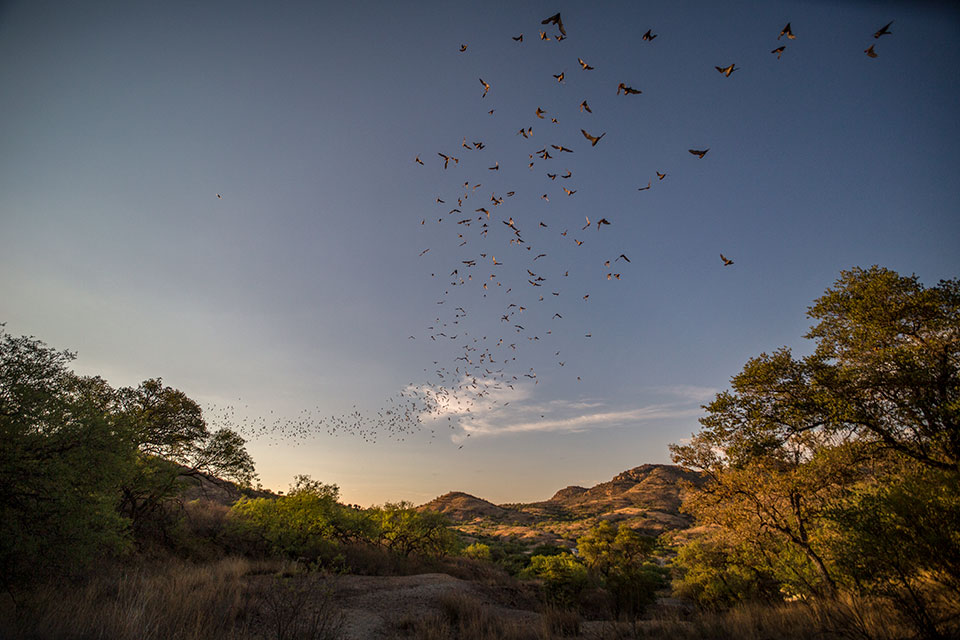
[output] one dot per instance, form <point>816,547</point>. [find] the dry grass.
<point>246,600</point>
<point>464,617</point>
<point>846,619</point>
<point>230,598</point>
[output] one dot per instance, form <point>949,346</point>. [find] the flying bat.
<point>486,87</point>
<point>585,106</point>
<point>726,261</point>
<point>870,52</point>
<point>727,70</point>
<point>593,139</point>
<point>787,32</point>
<point>627,90</point>
<point>555,19</point>
<point>648,36</point>
<point>583,64</point>
<point>884,30</point>
<point>778,51</point>
<point>698,152</point>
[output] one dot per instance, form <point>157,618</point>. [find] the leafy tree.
<point>407,531</point>
<point>900,539</point>
<point>80,462</point>
<point>619,559</point>
<point>719,572</point>
<point>60,459</point>
<point>172,445</point>
<point>803,454</point>
<point>605,548</point>
<point>890,355</point>
<point>305,523</point>
<point>564,577</point>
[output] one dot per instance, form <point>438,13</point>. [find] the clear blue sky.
<point>291,299</point>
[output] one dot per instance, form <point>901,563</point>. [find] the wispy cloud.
<point>687,392</point>
<point>485,408</point>
<point>498,424</point>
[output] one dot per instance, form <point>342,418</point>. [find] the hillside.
<point>462,507</point>
<point>647,498</point>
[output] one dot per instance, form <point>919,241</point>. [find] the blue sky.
<point>289,303</point>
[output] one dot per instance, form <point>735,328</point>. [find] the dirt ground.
<point>371,603</point>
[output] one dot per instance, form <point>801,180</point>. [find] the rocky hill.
<point>462,507</point>
<point>647,498</point>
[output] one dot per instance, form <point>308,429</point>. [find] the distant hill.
<point>463,507</point>
<point>647,498</point>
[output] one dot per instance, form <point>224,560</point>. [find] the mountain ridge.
<point>647,498</point>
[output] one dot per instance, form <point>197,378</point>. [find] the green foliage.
<point>891,354</point>
<point>901,540</point>
<point>511,555</point>
<point>405,530</point>
<point>478,551</point>
<point>607,549</point>
<point>305,523</point>
<point>59,462</point>
<point>310,523</point>
<point>172,445</point>
<point>837,472</point>
<point>619,559</point>
<point>564,577</point>
<point>82,465</point>
<point>719,574</point>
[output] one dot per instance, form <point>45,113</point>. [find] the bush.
<point>406,531</point>
<point>564,577</point>
<point>711,574</point>
<point>478,551</point>
<point>303,524</point>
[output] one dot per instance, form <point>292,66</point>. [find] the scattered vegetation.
<point>836,477</point>
<point>828,506</point>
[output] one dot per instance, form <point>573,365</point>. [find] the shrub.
<point>564,577</point>
<point>478,551</point>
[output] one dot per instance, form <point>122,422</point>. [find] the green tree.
<point>802,453</point>
<point>407,531</point>
<point>308,522</point>
<point>718,571</point>
<point>564,577</point>
<point>890,355</point>
<point>60,461</point>
<point>172,446</point>
<point>619,558</point>
<point>80,462</point>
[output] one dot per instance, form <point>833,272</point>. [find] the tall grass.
<point>230,598</point>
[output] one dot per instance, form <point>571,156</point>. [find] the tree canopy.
<point>840,470</point>
<point>84,466</point>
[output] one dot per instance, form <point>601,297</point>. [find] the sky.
<point>226,195</point>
